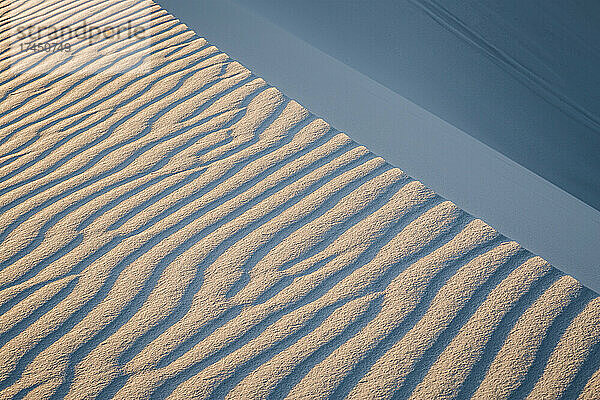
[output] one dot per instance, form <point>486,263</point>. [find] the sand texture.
<point>172,226</point>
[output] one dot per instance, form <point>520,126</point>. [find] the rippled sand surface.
<point>172,226</point>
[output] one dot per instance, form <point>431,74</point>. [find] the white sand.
<point>181,229</point>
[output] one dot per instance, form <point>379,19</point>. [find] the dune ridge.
<point>175,227</point>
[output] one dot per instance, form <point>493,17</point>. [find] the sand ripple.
<point>172,226</point>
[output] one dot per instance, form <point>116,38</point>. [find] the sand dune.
<point>172,226</point>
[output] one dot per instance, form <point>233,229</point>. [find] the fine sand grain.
<point>172,226</point>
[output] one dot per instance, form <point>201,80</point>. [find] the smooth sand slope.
<point>174,227</point>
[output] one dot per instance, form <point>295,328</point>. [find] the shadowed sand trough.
<point>174,227</point>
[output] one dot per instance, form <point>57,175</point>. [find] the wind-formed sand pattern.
<point>173,227</point>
